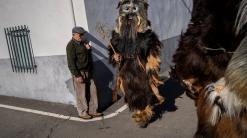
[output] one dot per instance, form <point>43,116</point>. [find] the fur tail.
<point>229,94</point>
<point>236,72</point>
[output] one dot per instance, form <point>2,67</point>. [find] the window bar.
<point>28,53</point>
<point>9,48</point>
<point>23,35</point>
<point>25,41</point>
<point>31,49</point>
<point>18,49</point>
<point>17,37</point>
<point>22,48</point>
<point>15,50</point>
<point>28,49</point>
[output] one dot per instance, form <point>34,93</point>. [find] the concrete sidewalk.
<point>175,119</point>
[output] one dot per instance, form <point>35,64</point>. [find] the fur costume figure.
<point>135,50</point>
<point>207,46</point>
<point>222,104</point>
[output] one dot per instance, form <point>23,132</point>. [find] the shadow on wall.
<point>103,71</point>
<point>70,86</point>
<point>103,80</point>
<point>93,39</point>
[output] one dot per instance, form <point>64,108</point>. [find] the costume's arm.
<point>113,47</point>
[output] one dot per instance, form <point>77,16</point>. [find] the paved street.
<point>175,119</point>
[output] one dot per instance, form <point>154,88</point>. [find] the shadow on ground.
<point>171,90</point>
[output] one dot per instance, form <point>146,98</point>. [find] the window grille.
<point>20,49</point>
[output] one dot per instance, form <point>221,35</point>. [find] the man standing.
<point>81,67</point>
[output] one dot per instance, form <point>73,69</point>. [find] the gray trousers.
<point>81,100</point>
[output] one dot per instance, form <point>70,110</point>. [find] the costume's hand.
<point>79,79</point>
<point>88,46</point>
<point>116,57</point>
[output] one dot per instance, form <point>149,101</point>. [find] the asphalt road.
<point>175,119</point>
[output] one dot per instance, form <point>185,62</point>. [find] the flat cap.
<point>78,29</point>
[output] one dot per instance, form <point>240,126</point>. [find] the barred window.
<point>20,49</point>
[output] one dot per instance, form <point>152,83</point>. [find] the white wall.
<point>80,13</point>
<point>50,22</point>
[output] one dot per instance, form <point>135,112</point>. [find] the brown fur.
<point>226,127</point>
<point>211,27</point>
<point>139,50</point>
<point>202,58</point>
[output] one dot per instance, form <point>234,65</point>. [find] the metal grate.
<point>20,49</point>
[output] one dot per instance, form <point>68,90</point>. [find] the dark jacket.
<point>79,58</point>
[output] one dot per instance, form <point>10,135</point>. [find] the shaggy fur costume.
<point>207,46</point>
<point>139,50</point>
<point>222,105</point>
<point>208,64</point>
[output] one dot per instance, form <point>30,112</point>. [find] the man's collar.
<point>76,42</point>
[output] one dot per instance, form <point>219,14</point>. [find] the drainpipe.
<point>73,11</point>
